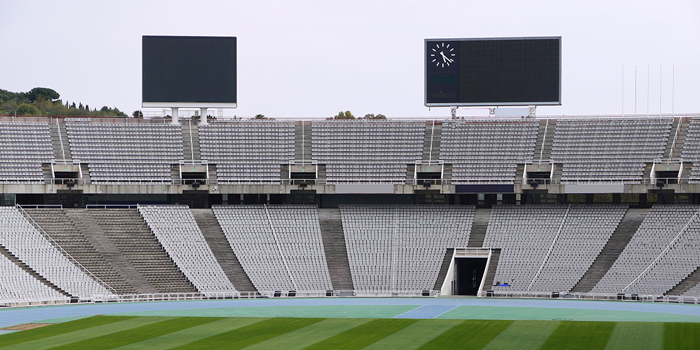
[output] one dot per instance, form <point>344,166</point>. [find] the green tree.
<point>260,116</point>
<point>72,106</point>
<point>343,115</point>
<point>27,109</point>
<point>137,114</point>
<point>40,92</point>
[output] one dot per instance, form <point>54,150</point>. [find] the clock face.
<point>442,54</point>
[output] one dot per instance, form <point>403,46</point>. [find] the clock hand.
<point>444,58</point>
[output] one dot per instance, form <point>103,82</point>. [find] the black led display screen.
<point>493,72</point>
<point>184,71</point>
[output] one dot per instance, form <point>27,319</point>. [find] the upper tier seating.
<point>134,152</point>
<point>248,151</point>
<point>24,241</point>
<point>18,286</point>
<point>487,151</point>
<point>367,150</point>
<point>608,149</point>
<point>280,248</point>
<point>691,150</point>
<point>662,252</point>
<point>23,149</point>
<point>525,235</point>
<point>400,249</point>
<point>178,232</point>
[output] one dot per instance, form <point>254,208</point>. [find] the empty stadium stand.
<point>548,248</point>
<point>24,147</point>
<point>128,231</point>
<point>661,254</point>
<point>370,151</point>
<point>400,249</point>
<point>25,240</point>
<point>126,152</point>
<point>177,231</point>
<point>246,151</point>
<point>487,151</point>
<point>64,232</point>
<point>280,248</point>
<point>211,230</point>
<point>609,149</point>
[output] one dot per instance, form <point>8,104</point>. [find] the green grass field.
<point>155,332</point>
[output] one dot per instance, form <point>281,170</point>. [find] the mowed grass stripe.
<point>523,335</point>
<point>637,336</point>
<point>415,335</point>
<point>681,336</point>
<point>252,334</point>
<point>138,334</point>
<point>364,335</point>
<point>309,335</point>
<point>61,328</point>
<point>192,334</point>
<point>472,334</point>
<point>577,335</point>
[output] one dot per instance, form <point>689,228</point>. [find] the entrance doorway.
<point>468,272</point>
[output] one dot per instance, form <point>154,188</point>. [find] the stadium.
<point>508,231</point>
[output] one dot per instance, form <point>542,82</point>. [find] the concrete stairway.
<point>222,249</point>
<point>689,282</point>
<point>61,228</point>
<point>545,136</point>
<point>443,268</point>
<point>4,251</point>
<point>479,226</point>
<point>59,141</point>
<point>491,269</point>
<point>124,270</point>
<point>612,250</point>
<point>680,140</point>
<point>130,234</point>
<point>334,247</point>
<point>302,141</point>
<point>431,145</point>
<point>190,142</point>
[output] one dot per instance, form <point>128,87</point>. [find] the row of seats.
<point>248,151</point>
<point>613,149</point>
<point>23,149</point>
<point>26,242</point>
<point>180,236</point>
<point>280,248</point>
<point>400,249</point>
<point>487,151</point>
<point>126,152</point>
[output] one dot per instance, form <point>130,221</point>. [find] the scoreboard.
<point>493,71</point>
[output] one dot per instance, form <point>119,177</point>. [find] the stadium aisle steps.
<point>617,243</point>
<point>491,269</point>
<point>63,230</point>
<point>685,285</point>
<point>443,269</point>
<point>479,226</point>
<point>30,271</point>
<point>87,226</point>
<point>334,246</point>
<point>129,232</point>
<point>222,250</point>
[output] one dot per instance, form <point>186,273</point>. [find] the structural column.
<point>203,116</point>
<point>175,117</point>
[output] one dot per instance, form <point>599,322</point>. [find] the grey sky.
<point>311,59</point>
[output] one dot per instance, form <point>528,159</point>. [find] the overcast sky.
<point>311,59</point>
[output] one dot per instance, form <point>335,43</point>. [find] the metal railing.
<point>591,296</point>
